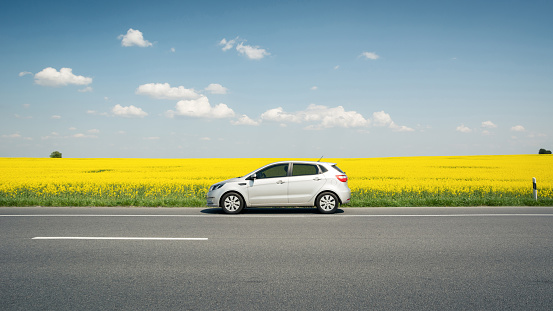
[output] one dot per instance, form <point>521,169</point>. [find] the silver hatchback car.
<point>286,183</point>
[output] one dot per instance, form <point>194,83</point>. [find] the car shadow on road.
<point>269,210</point>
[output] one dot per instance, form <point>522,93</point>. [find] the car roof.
<point>303,162</point>
<point>292,161</point>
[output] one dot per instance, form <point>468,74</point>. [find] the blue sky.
<point>291,79</point>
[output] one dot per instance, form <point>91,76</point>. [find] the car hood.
<point>236,179</point>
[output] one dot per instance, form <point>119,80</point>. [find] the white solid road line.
<point>292,216</point>
<point>116,238</point>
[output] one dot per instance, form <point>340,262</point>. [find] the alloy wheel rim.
<point>327,202</point>
<point>232,203</point>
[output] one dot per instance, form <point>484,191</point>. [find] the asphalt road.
<point>271,259</point>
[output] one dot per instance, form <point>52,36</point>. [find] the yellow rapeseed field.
<point>152,182</point>
<point>462,175</point>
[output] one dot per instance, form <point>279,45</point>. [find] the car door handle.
<point>316,179</point>
<point>280,182</point>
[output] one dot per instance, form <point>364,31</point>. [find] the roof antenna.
<point>320,159</point>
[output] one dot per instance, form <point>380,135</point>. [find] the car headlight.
<point>216,186</point>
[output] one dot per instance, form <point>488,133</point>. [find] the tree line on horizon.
<point>57,154</point>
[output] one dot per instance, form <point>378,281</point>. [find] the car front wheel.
<point>232,203</point>
<point>327,203</point>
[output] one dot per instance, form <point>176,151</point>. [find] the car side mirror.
<point>252,177</point>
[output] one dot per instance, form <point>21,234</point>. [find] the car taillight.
<point>342,178</point>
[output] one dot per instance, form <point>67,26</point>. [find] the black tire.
<point>232,203</point>
<point>327,203</point>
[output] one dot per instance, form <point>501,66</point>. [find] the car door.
<point>304,183</point>
<point>270,187</point>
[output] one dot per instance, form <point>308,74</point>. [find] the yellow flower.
<point>117,179</point>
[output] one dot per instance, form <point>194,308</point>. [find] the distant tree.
<point>543,151</point>
<point>55,154</point>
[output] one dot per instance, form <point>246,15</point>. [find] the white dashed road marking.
<point>117,238</point>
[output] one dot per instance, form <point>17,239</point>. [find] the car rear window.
<point>338,169</point>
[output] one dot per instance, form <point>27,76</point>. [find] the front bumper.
<point>213,197</point>
<point>212,201</point>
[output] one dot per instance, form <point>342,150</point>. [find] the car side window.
<point>280,170</point>
<point>304,169</point>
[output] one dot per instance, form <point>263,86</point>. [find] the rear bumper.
<point>344,195</point>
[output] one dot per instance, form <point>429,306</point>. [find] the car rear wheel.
<point>232,203</point>
<point>327,203</point>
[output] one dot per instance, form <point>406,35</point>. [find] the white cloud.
<point>86,89</point>
<point>51,136</point>
<point>382,118</point>
<point>22,117</point>
<point>227,45</point>
<point>400,128</point>
<point>165,91</point>
<point>51,77</point>
<point>15,135</point>
<point>463,129</point>
<point>128,111</point>
<point>370,55</point>
<point>24,73</point>
<point>323,116</point>
<point>334,117</point>
<point>173,50</point>
<point>488,124</point>
<point>200,108</point>
<point>134,37</point>
<point>151,138</point>
<point>205,138</point>
<point>56,117</point>
<point>215,88</point>
<point>252,52</point>
<point>245,120</point>
<point>279,115</point>
<point>518,128</point>
<point>93,131</point>
<point>314,88</point>
<point>336,67</point>
<point>81,135</point>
